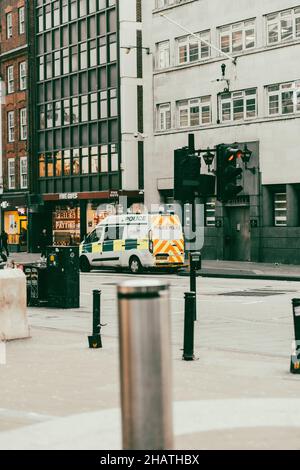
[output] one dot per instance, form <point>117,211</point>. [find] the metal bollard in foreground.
<point>95,341</point>
<point>145,365</point>
<point>188,343</point>
<point>295,358</point>
<point>195,264</point>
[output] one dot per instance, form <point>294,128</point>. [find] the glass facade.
<point>77,95</point>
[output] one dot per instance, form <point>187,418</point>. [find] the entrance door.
<point>238,239</point>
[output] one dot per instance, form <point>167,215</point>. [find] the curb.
<point>262,277</point>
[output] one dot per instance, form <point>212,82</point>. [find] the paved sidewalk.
<point>56,393</point>
<point>248,270</point>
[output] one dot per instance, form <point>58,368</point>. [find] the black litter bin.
<point>36,278</point>
<point>63,277</point>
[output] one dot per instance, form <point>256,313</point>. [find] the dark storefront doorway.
<point>237,238</point>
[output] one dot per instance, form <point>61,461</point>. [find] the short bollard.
<point>195,264</point>
<point>295,358</point>
<point>189,309</point>
<point>95,340</point>
<point>145,365</point>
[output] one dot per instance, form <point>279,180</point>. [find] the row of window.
<point>11,171</point>
<point>62,11</point>
<point>78,83</point>
<point>279,210</point>
<point>283,99</point>
<point>87,160</point>
<point>233,39</point>
<point>79,135</point>
<point>11,79</point>
<point>11,125</point>
<point>70,33</point>
<point>72,59</point>
<point>93,106</point>
<point>21,23</point>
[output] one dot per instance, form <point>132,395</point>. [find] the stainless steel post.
<point>145,360</point>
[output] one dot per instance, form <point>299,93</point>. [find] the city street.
<point>238,394</point>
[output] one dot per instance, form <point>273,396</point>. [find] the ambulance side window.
<point>113,232</point>
<point>93,237</point>
<point>99,233</point>
<point>136,232</point>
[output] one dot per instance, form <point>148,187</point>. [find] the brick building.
<point>14,53</point>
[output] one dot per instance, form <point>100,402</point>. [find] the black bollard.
<point>95,340</point>
<point>195,264</point>
<point>189,312</point>
<point>295,358</point>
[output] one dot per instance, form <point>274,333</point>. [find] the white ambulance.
<point>134,241</point>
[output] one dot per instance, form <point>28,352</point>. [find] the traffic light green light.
<point>227,172</point>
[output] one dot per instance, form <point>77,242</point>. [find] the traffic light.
<point>186,174</point>
<point>227,172</point>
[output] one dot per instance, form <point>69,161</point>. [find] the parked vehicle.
<point>134,241</point>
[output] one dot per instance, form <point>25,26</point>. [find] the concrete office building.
<point>257,103</point>
<point>89,113</point>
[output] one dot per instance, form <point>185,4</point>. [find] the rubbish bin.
<point>63,276</point>
<point>36,280</point>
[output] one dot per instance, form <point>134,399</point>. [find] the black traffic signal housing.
<point>227,172</point>
<point>187,168</point>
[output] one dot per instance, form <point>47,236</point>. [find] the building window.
<point>23,173</point>
<point>21,20</point>
<point>284,99</point>
<point>10,79</point>
<point>94,160</point>
<point>9,28</point>
<point>42,168</point>
<point>22,76</point>
<point>163,55</point>
<point>84,161</point>
<point>167,3</point>
<point>191,49</point>
<point>210,212</point>
<point>56,13</point>
<point>164,117</point>
<point>11,173</point>
<point>284,26</point>
<point>23,124</point>
<point>238,106</point>
<point>194,112</point>
<point>280,210</point>
<point>11,126</point>
<point>238,37</point>
<point>58,163</point>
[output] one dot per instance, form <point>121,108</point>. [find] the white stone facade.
<point>269,56</point>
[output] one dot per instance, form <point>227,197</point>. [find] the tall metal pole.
<point>145,365</point>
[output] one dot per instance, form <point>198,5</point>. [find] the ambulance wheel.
<point>135,265</point>
<point>85,266</point>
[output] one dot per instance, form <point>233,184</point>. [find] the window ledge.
<point>229,124</point>
<point>213,60</point>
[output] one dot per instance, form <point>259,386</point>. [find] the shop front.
<point>73,215</point>
<point>15,222</point>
